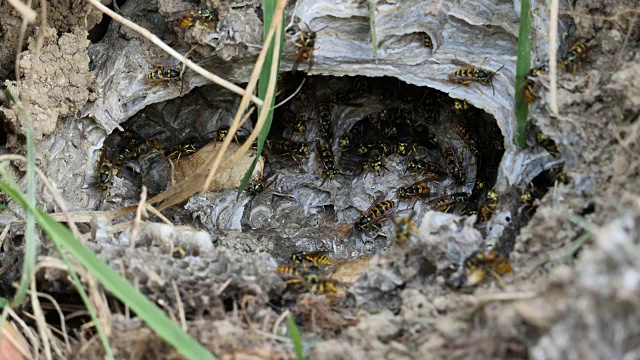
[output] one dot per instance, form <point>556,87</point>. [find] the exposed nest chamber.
<point>370,127</point>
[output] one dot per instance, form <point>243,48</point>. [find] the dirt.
<point>562,299</point>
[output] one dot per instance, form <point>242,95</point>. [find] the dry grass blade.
<point>25,11</point>
<point>553,57</point>
<point>137,221</point>
<point>190,64</point>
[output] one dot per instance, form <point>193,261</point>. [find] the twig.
<point>292,95</point>
<point>224,286</point>
<point>190,64</point>
<point>553,52</point>
<point>158,214</point>
<point>63,324</point>
<point>35,343</point>
<point>137,221</point>
<point>26,12</point>
<point>39,316</point>
<point>626,38</point>
<point>183,318</point>
<point>280,319</point>
<point>23,31</point>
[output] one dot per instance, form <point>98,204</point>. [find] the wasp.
<point>177,253</point>
<point>446,203</point>
<point>404,148</point>
<point>328,162</point>
<point>548,144</point>
<point>325,121</point>
<point>182,150</point>
<point>256,187</point>
<point>315,258</point>
<point>472,74</point>
<point>4,200</point>
<point>299,126</point>
<point>221,135</point>
<point>348,140</point>
<point>287,272</point>
<point>528,93</point>
<point>426,40</point>
<point>465,134</point>
<point>305,48</point>
<point>317,284</point>
<point>405,227</point>
<point>416,190</point>
<point>488,206</point>
<point>460,105</point>
<point>164,75</point>
<point>286,146</point>
<point>557,173</point>
<point>432,141</point>
<point>479,263</point>
<point>141,147</point>
<point>376,213</point>
<point>190,18</point>
<point>105,171</point>
<point>431,169</point>
<point>572,60</point>
<point>376,120</point>
<point>450,158</point>
<point>375,162</point>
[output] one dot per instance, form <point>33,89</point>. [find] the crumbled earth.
<point>575,258</point>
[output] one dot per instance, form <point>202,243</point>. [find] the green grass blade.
<point>29,261</point>
<point>522,68</point>
<point>372,27</point>
<point>269,7</point>
<point>145,309</point>
<point>296,338</point>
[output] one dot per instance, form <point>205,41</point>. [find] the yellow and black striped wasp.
<point>572,60</point>
<point>478,264</point>
<point>330,168</point>
<point>528,92</point>
<point>548,144</point>
<point>164,75</point>
<point>447,202</point>
<point>424,167</point>
<point>259,184</point>
<point>349,140</point>
<point>405,228</point>
<point>190,18</point>
<point>451,159</point>
<point>306,48</point>
<point>375,163</point>
<point>319,285</point>
<point>460,105</point>
<point>310,258</point>
<point>488,206</point>
<point>286,146</point>
<point>379,211</point>
<point>465,134</point>
<point>471,74</point>
<point>404,147</point>
<point>185,149</point>
<point>325,120</point>
<point>426,40</point>
<point>105,172</point>
<point>418,189</point>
